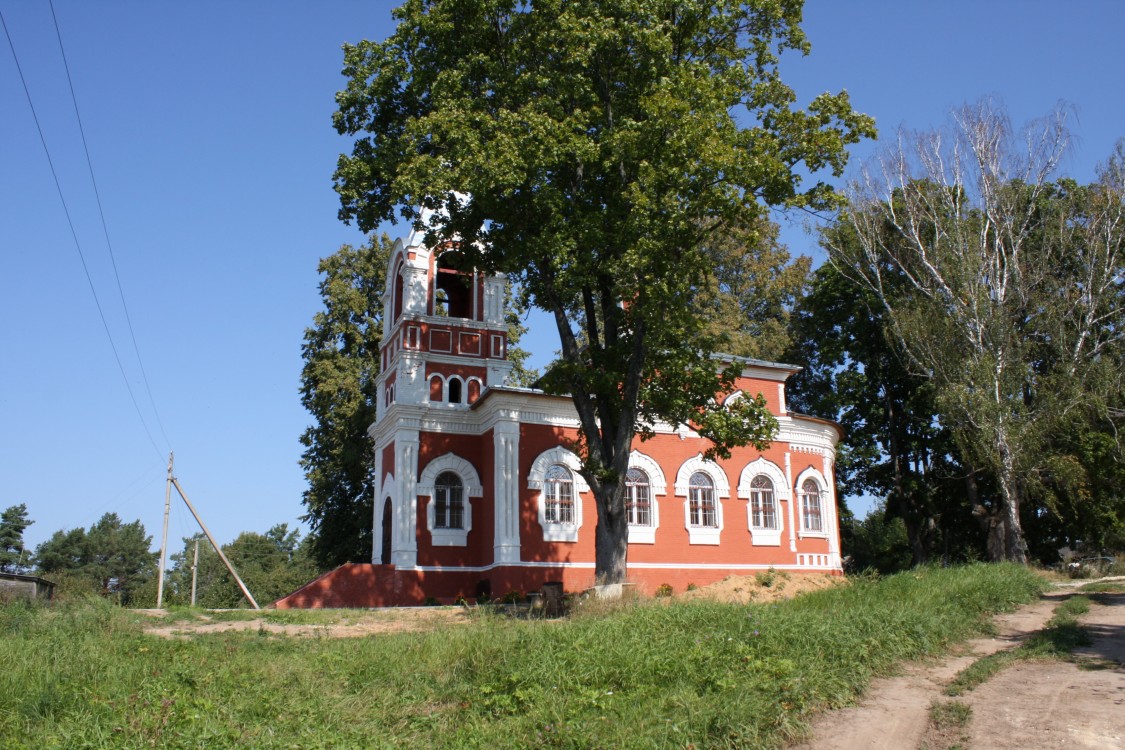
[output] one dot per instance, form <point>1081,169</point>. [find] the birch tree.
<point>1007,285</point>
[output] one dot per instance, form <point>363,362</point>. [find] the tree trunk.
<point>611,538</point>
<point>1010,542</point>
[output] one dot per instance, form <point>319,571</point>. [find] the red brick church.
<point>477,493</point>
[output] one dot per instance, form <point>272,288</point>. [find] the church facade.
<point>478,493</point>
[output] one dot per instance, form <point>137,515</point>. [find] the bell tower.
<point>444,335</point>
<point>445,341</point>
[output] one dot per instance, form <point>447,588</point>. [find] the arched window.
<point>701,501</point>
<point>455,390</point>
<point>811,511</point>
<point>398,292</point>
<point>638,498</point>
<point>763,512</point>
<point>558,491</point>
<point>449,502</point>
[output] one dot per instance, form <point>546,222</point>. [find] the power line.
<point>74,235</point>
<point>105,229</point>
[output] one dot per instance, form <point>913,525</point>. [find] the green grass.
<point>1062,635</point>
<point>651,675</point>
<point>1104,587</point>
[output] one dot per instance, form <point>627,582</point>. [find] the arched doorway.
<point>385,555</point>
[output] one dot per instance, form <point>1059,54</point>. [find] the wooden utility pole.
<point>214,544</point>
<point>194,571</point>
<point>164,537</point>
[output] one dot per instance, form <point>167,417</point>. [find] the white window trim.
<point>657,485</point>
<point>802,532</point>
<point>761,536</point>
<point>554,531</point>
<point>471,486</point>
<point>703,534</point>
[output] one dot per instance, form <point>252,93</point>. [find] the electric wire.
<point>105,230</point>
<point>74,235</point>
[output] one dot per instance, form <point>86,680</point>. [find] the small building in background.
<point>15,586</point>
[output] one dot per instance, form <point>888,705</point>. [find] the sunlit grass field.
<point>646,675</point>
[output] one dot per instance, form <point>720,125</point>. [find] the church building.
<point>477,493</point>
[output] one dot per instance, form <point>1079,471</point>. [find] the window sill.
<point>449,537</point>
<point>703,535</point>
<point>560,532</point>
<point>765,537</point>
<point>642,535</point>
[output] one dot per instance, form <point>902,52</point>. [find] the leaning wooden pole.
<point>215,545</point>
<point>164,537</point>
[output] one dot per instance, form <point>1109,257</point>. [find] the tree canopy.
<point>13,522</point>
<point>1000,284</point>
<point>589,149</point>
<point>113,556</point>
<point>341,353</point>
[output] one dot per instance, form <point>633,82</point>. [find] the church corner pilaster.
<point>793,500</point>
<point>506,444</point>
<point>404,550</point>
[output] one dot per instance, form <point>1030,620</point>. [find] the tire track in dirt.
<point>1030,706</point>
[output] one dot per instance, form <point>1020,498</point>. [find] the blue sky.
<point>209,129</point>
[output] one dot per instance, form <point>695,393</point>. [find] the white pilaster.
<point>404,549</point>
<point>833,516</point>
<point>794,498</point>
<point>506,444</point>
<point>377,509</point>
<point>414,290</point>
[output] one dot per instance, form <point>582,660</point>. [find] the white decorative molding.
<point>762,536</point>
<point>648,465</point>
<point>471,486</point>
<point>384,492</point>
<point>788,484</point>
<point>712,469</point>
<point>506,491</point>
<point>657,485</point>
<point>703,534</point>
<point>552,531</point>
<point>812,473</point>
<point>404,546</point>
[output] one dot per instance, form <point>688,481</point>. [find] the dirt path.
<point>1030,706</point>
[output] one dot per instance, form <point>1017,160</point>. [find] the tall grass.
<point>702,674</point>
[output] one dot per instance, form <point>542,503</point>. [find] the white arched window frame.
<point>468,382</point>
<point>657,485</point>
<point>460,388</point>
<point>760,535</point>
<point>808,515</point>
<point>553,531</point>
<point>386,492</point>
<point>471,487</point>
<point>698,534</point>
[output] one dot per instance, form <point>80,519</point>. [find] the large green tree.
<point>589,149</point>
<point>13,522</point>
<point>751,289</point>
<point>1000,284</point>
<point>341,353</point>
<point>113,557</point>
<point>895,446</point>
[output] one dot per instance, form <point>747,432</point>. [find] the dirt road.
<point>1030,706</point>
